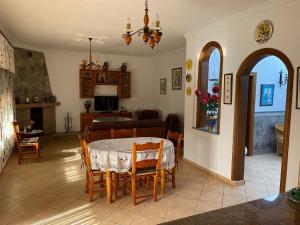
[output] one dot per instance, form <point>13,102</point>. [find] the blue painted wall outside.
<point>214,68</point>
<point>268,73</point>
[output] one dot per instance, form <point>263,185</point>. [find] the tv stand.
<point>87,118</point>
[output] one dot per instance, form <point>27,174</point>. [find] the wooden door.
<point>241,130</point>
<point>86,84</point>
<point>251,113</point>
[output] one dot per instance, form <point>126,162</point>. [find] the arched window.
<point>209,88</point>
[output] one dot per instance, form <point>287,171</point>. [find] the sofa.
<point>144,128</point>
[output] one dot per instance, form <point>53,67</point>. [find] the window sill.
<point>205,129</point>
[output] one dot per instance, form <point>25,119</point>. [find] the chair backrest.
<point>177,138</point>
<point>148,163</point>
<point>16,128</point>
<point>87,160</point>
<point>86,134</point>
<point>81,139</point>
<point>123,133</point>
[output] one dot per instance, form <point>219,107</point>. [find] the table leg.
<point>162,181</point>
<point>108,187</point>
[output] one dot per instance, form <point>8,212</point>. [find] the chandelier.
<point>150,35</point>
<point>90,64</point>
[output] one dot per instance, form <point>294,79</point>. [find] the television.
<point>106,103</point>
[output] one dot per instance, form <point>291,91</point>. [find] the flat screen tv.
<point>106,103</point>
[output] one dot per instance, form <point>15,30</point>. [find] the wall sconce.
<point>281,82</point>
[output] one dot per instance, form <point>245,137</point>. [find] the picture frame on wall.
<point>177,78</point>
<point>228,88</point>
<point>266,95</point>
<point>298,89</point>
<point>163,86</point>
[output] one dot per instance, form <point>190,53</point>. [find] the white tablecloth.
<point>115,154</point>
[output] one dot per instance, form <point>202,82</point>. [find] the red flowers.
<point>209,102</point>
<point>198,93</point>
<point>215,98</point>
<point>215,89</point>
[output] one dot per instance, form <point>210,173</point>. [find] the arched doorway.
<point>204,80</point>
<point>240,113</point>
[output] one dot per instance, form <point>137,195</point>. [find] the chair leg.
<point>37,149</point>
<point>141,181</point>
<point>116,184</point>
<point>147,182</point>
<point>173,177</point>
<point>124,183</point>
<point>91,181</point>
<point>133,189</point>
<point>155,186</point>
<point>87,182</point>
<point>19,157</point>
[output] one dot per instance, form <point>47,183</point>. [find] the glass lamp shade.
<point>145,37</point>
<point>152,43</point>
<point>127,39</point>
<point>157,36</point>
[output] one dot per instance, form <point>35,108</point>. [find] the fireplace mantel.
<point>35,105</point>
<point>27,112</point>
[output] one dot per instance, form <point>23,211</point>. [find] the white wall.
<point>268,73</point>
<point>235,35</point>
<point>63,70</point>
<point>173,101</point>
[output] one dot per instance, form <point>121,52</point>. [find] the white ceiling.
<point>56,23</point>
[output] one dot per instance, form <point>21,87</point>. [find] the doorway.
<point>242,121</point>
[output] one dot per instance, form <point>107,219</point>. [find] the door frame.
<point>238,152</point>
<point>251,113</point>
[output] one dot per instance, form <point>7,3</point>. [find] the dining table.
<point>115,155</point>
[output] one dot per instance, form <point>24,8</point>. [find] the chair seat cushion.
<point>144,171</point>
<point>29,140</point>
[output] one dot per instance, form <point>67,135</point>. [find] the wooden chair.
<point>92,174</point>
<point>123,133</point>
<point>83,165</point>
<point>25,145</point>
<point>145,168</point>
<point>177,138</point>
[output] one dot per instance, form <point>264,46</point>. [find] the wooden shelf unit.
<point>90,78</point>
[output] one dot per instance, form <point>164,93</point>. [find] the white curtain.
<point>7,109</point>
<point>6,116</point>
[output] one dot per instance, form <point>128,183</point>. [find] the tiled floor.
<point>262,174</point>
<point>51,192</point>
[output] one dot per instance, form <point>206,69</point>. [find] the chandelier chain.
<point>146,4</point>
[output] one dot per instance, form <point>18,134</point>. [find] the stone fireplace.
<point>31,82</point>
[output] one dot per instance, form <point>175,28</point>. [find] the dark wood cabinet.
<point>124,88</point>
<point>86,82</point>
<point>90,78</point>
<point>87,118</point>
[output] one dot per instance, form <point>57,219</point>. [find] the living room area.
<point>139,112</point>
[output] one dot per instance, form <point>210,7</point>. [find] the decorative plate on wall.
<point>188,77</point>
<point>189,64</point>
<point>263,31</point>
<point>188,91</point>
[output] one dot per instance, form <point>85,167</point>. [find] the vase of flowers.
<point>210,103</point>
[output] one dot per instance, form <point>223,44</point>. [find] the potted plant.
<point>210,102</point>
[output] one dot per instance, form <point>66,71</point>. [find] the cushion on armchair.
<point>148,114</point>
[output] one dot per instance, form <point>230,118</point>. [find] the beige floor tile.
<point>176,213</point>
<point>122,216</point>
<point>148,220</point>
<point>211,196</point>
<point>206,206</point>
